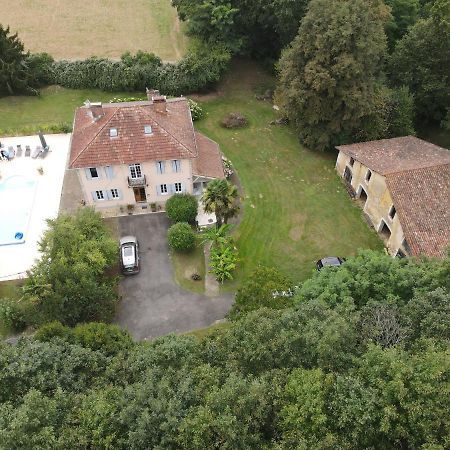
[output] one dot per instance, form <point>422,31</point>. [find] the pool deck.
<point>16,259</point>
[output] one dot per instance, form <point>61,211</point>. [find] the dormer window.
<point>368,175</point>
<point>352,161</point>
<point>113,132</point>
<point>147,129</point>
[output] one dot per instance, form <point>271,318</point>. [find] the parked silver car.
<point>129,255</point>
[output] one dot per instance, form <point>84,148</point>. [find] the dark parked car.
<point>329,261</point>
<point>129,255</point>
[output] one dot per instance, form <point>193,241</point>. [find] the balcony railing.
<point>137,182</point>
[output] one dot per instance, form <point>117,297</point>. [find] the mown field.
<point>74,30</point>
<point>295,208</point>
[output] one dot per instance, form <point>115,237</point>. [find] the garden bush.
<point>11,314</point>
<point>182,208</point>
<point>234,120</point>
<point>181,237</point>
<point>47,128</point>
<point>196,110</point>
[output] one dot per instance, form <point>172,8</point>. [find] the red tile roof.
<point>397,154</point>
<point>209,160</point>
<point>172,137</point>
<point>422,201</point>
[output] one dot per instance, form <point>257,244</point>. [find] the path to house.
<point>152,303</point>
<point>71,194</point>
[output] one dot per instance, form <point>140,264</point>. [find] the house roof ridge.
<point>172,136</point>
<point>93,138</point>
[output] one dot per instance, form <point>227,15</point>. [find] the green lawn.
<point>185,265</point>
<point>201,333</point>
<point>54,105</point>
<point>296,210</point>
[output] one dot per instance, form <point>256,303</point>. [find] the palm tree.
<point>220,198</point>
<point>217,235</point>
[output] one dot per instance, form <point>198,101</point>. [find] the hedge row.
<point>199,69</point>
<point>28,130</point>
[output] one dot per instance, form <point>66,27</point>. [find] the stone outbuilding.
<point>403,186</point>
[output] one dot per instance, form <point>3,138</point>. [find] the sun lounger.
<point>27,150</point>
<point>44,152</point>
<point>37,151</point>
<point>19,151</point>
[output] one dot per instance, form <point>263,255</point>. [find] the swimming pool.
<point>16,203</point>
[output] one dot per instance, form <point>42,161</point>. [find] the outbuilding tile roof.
<point>422,201</point>
<point>398,154</point>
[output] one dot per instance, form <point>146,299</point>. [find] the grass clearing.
<point>295,208</point>
<point>101,28</point>
<point>186,264</point>
<point>55,105</point>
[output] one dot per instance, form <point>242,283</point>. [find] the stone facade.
<point>371,191</point>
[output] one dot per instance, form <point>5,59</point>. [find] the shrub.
<point>223,261</point>
<point>234,120</point>
<point>47,128</point>
<point>181,237</point>
<point>53,330</point>
<point>182,208</point>
<point>12,314</point>
<point>196,110</point>
<point>109,339</point>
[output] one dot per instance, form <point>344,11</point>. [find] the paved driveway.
<point>152,303</point>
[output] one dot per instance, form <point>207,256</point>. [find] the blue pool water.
<point>16,203</point>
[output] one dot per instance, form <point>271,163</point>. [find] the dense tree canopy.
<point>328,74</point>
<point>69,282</point>
<point>17,71</point>
<point>257,27</point>
<point>421,61</point>
<point>319,375</point>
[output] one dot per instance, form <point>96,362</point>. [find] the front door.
<point>139,194</point>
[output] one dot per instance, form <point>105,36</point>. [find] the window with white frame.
<point>147,129</point>
<point>368,175</point>
<point>352,161</point>
<point>99,195</point>
<point>114,193</point>
<point>178,187</point>
<point>113,132</point>
<point>163,188</point>
<point>93,171</point>
<point>135,170</point>
<point>176,165</point>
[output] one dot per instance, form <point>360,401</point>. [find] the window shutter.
<point>158,189</point>
<point>120,194</point>
<point>171,188</point>
<point>163,167</point>
<point>99,172</point>
<point>108,195</point>
<point>174,166</point>
<point>109,171</point>
<point>94,196</point>
<point>88,174</point>
<point>182,188</point>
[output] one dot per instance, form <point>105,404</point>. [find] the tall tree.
<point>221,198</point>
<point>16,74</point>
<point>421,61</point>
<point>404,14</point>
<point>327,76</point>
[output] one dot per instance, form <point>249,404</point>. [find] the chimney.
<point>95,110</point>
<point>151,93</point>
<point>160,104</point>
